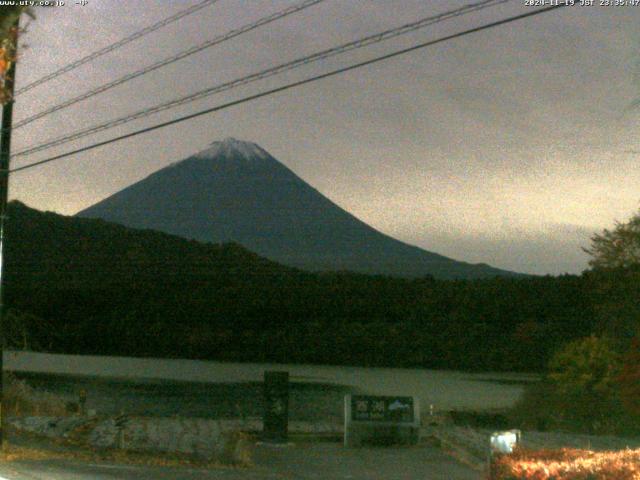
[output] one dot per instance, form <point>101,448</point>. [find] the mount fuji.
<point>235,191</point>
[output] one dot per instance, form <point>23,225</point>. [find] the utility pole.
<point>5,156</point>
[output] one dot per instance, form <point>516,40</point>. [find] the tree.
<point>615,281</point>
<point>8,17</point>
<point>616,248</point>
<point>25,331</point>
<point>629,379</point>
<point>584,379</point>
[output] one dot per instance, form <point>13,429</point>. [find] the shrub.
<point>20,399</point>
<point>583,379</point>
<point>537,408</point>
<point>566,464</point>
<point>628,380</point>
<point>581,392</point>
<point>237,449</point>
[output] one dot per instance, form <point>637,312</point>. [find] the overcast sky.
<point>508,147</point>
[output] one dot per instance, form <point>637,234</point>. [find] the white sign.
<point>505,442</point>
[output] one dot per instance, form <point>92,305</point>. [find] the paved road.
<point>302,461</point>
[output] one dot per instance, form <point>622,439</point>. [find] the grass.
<point>41,451</point>
<point>22,400</point>
<point>237,449</point>
<point>496,419</point>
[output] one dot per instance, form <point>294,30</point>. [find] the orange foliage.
<point>567,464</point>
<point>3,61</point>
<point>7,56</point>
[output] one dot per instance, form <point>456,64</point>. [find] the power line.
<point>293,85</point>
<point>118,44</point>
<point>360,43</point>
<point>169,60</point>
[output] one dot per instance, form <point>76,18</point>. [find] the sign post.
<point>381,420</point>
<point>276,406</point>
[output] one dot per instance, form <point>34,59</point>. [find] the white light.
<point>504,442</point>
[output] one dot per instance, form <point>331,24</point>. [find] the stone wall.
<point>206,439</point>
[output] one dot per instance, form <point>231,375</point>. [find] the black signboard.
<point>367,408</point>
<point>276,406</point>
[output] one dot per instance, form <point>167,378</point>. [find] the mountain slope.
<point>55,249</point>
<point>91,286</point>
<point>236,191</point>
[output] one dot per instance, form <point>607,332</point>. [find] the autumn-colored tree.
<point>615,281</point>
<point>616,248</point>
<point>8,17</point>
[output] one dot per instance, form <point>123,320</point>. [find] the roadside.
<point>471,445</point>
<point>446,452</point>
<point>302,460</point>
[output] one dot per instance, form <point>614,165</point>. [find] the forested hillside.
<point>79,285</point>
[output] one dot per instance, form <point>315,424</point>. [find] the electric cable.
<point>294,85</point>
<point>116,45</point>
<point>169,60</point>
<point>360,43</point>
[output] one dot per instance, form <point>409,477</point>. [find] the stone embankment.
<point>205,438</point>
<point>227,439</point>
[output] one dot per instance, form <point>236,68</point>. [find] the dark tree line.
<point>91,287</point>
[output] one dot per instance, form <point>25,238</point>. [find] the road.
<point>300,461</point>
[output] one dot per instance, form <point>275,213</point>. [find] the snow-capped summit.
<point>230,147</point>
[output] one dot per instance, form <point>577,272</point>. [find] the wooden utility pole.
<point>5,157</point>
